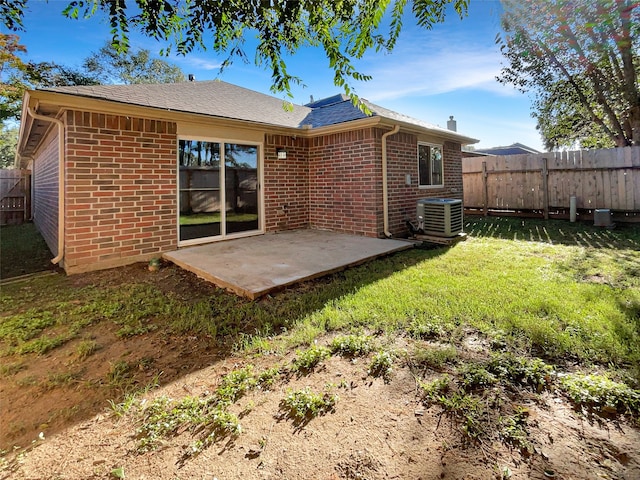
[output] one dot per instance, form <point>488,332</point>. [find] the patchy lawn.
<point>22,251</point>
<point>515,353</point>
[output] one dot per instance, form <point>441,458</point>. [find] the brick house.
<point>122,173</point>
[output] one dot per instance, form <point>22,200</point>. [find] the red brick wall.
<point>45,190</point>
<point>121,186</point>
<point>339,188</point>
<point>286,183</point>
<point>121,190</point>
<point>402,159</point>
<point>345,171</point>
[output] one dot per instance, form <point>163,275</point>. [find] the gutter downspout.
<point>385,193</point>
<point>61,182</point>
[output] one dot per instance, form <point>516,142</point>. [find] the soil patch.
<point>49,392</point>
<point>378,430</point>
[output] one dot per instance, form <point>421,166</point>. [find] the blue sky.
<point>430,75</point>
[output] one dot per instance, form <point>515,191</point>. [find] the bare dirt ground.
<point>36,399</point>
<point>378,430</point>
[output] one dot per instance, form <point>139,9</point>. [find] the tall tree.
<point>8,142</point>
<point>581,59</point>
<point>344,29</point>
<point>105,66</point>
<point>113,66</point>
<point>51,74</point>
<point>12,70</point>
<point>18,75</point>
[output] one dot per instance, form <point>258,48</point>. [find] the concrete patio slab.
<point>255,266</point>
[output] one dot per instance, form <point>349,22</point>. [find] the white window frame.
<point>430,167</point>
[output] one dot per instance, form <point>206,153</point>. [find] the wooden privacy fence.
<point>606,178</point>
<point>15,196</point>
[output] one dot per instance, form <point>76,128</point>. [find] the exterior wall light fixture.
<point>282,153</point>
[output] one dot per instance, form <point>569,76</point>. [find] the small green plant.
<point>533,373</point>
<point>218,424</point>
<point>154,264</point>
<point>11,369</point>
<point>28,381</point>
<point>434,357</point>
<point>506,473</point>
<point>513,430</point>
<point>475,377</point>
<point>309,359</point>
<point>425,330</point>
<point>235,384</point>
<point>256,344</point>
<point>120,375</point>
<point>61,379</point>
<point>26,326</point>
<point>499,340</point>
<point>124,407</point>
<point>268,377</point>
<point>352,345</point>
<point>131,401</point>
<point>42,345</point>
<point>86,348</point>
<point>132,329</point>
<point>165,417</point>
<point>118,473</point>
<point>599,393</point>
<point>431,391</point>
<point>303,405</point>
<point>381,365</point>
<point>467,410</point>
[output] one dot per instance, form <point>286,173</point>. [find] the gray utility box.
<point>441,217</point>
<point>602,218</point>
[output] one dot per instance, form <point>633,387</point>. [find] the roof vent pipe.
<point>452,124</point>
<point>192,77</point>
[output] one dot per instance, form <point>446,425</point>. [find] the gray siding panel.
<point>45,190</point>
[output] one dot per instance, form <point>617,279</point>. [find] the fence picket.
<point>15,196</point>
<point>605,178</point>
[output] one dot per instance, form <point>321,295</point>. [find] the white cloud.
<point>434,71</point>
<point>199,63</point>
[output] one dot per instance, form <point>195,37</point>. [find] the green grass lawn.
<point>565,293</point>
<point>22,251</point>
<point>203,218</point>
<point>560,290</point>
<point>548,306</point>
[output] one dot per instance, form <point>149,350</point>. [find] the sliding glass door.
<point>241,187</point>
<point>218,189</point>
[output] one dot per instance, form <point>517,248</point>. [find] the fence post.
<point>485,189</point>
<point>545,187</point>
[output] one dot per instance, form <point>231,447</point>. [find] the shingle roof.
<point>400,117</point>
<point>222,99</point>
<point>332,111</point>
<point>323,102</point>
<point>214,98</point>
<point>513,149</point>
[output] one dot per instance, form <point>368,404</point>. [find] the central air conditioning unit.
<point>440,217</point>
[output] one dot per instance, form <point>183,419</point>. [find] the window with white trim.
<point>430,166</point>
